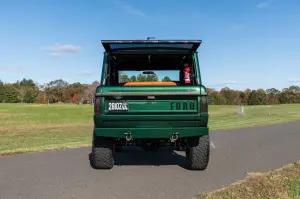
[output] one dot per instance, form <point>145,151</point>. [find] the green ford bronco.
<point>150,95</point>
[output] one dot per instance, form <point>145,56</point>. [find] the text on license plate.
<point>118,106</point>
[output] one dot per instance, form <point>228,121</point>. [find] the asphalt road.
<point>67,174</point>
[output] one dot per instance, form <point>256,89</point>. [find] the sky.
<point>245,44</point>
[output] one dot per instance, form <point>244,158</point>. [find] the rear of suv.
<point>151,95</point>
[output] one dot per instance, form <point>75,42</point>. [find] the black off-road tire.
<point>102,153</point>
<point>198,152</point>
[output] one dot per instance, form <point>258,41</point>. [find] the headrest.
<point>150,84</point>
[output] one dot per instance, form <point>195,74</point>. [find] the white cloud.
<point>129,9</point>
<point>11,69</point>
<point>264,4</point>
<point>55,54</point>
<point>59,49</point>
<point>297,80</point>
<point>231,82</point>
<point>227,83</point>
<point>85,73</point>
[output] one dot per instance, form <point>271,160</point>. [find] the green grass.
<point>25,127</point>
<point>225,117</point>
<point>283,183</point>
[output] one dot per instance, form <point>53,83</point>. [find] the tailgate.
<point>150,100</point>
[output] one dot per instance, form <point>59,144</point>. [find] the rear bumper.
<point>144,133</point>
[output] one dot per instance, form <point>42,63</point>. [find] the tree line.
<point>60,91</point>
<point>56,91</point>
<point>142,78</point>
<point>227,96</point>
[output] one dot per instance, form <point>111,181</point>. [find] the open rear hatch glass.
<point>132,45</point>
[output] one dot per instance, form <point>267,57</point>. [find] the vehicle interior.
<point>149,65</point>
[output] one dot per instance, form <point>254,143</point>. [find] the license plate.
<point>118,106</point>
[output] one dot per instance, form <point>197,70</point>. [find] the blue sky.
<point>250,43</point>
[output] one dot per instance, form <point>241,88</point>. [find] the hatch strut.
<point>149,56</point>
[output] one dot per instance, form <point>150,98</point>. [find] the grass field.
<point>25,127</point>
<point>283,183</point>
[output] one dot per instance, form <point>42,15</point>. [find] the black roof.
<point>117,45</point>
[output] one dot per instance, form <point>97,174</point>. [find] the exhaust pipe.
<point>128,136</point>
<point>174,137</point>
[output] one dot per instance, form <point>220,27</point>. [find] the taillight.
<point>97,105</point>
<point>204,106</point>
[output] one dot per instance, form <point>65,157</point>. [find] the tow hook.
<point>128,136</point>
<point>174,137</point>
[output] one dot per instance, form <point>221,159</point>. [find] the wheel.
<point>198,152</point>
<point>102,153</point>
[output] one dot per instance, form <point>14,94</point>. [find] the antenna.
<point>148,38</point>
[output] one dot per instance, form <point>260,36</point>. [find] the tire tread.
<point>102,154</point>
<point>198,154</point>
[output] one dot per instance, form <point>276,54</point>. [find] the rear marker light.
<point>97,105</point>
<point>204,105</point>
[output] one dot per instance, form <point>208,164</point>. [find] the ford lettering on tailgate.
<point>183,105</point>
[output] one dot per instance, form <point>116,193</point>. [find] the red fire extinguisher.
<point>187,70</point>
